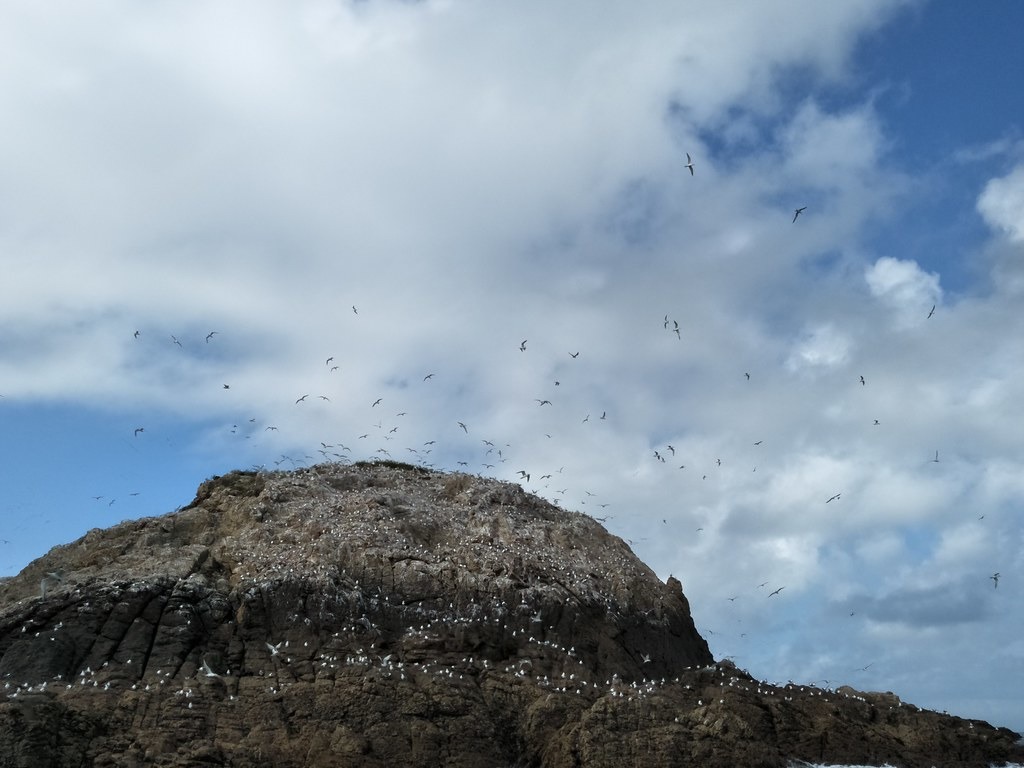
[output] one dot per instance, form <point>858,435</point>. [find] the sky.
<point>269,234</point>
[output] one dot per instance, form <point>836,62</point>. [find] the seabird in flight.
<point>833,498</point>
<point>932,312</point>
<point>522,347</point>
<point>798,211</point>
<point>210,335</point>
<point>137,430</point>
<point>995,580</point>
<point>689,163</point>
<point>771,594</point>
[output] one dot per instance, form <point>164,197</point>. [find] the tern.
<point>522,347</point>
<point>772,594</point>
<point>210,335</point>
<point>833,498</point>
<point>932,312</point>
<point>137,430</point>
<point>301,399</point>
<point>995,580</point>
<point>798,211</point>
<point>689,163</point>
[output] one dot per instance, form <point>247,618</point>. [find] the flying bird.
<point>995,580</point>
<point>301,399</point>
<point>175,340</point>
<point>936,459</point>
<point>833,498</point>
<point>428,376</point>
<point>210,335</point>
<point>862,381</point>
<point>136,334</point>
<point>798,211</point>
<point>689,163</point>
<point>328,362</point>
<point>354,310</point>
<point>522,347</point>
<point>376,402</point>
<point>574,356</point>
<point>932,312</point>
<point>543,402</point>
<point>137,430</point>
<point>464,429</point>
<point>772,594</point>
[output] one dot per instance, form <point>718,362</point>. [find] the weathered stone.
<point>382,615</point>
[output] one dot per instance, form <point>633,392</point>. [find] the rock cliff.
<point>380,615</point>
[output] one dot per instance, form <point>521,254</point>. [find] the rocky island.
<point>381,614</point>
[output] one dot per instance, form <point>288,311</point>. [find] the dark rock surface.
<point>384,615</point>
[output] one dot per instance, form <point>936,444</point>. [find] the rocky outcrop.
<point>381,615</point>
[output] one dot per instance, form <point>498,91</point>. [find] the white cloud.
<point>905,288</point>
<point>1001,204</point>
<point>824,346</point>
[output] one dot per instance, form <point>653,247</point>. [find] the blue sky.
<point>414,189</point>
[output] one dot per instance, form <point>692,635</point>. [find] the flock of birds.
<point>490,452</point>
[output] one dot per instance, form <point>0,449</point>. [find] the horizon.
<point>270,235</point>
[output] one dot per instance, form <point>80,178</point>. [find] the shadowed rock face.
<point>381,615</point>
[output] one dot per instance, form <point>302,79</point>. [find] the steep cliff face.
<point>386,615</point>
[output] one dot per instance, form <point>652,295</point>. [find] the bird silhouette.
<point>772,594</point>
<point>995,580</point>
<point>522,347</point>
<point>689,163</point>
<point>833,498</point>
<point>301,399</point>
<point>930,313</point>
<point>137,430</point>
<point>210,335</point>
<point>798,211</point>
